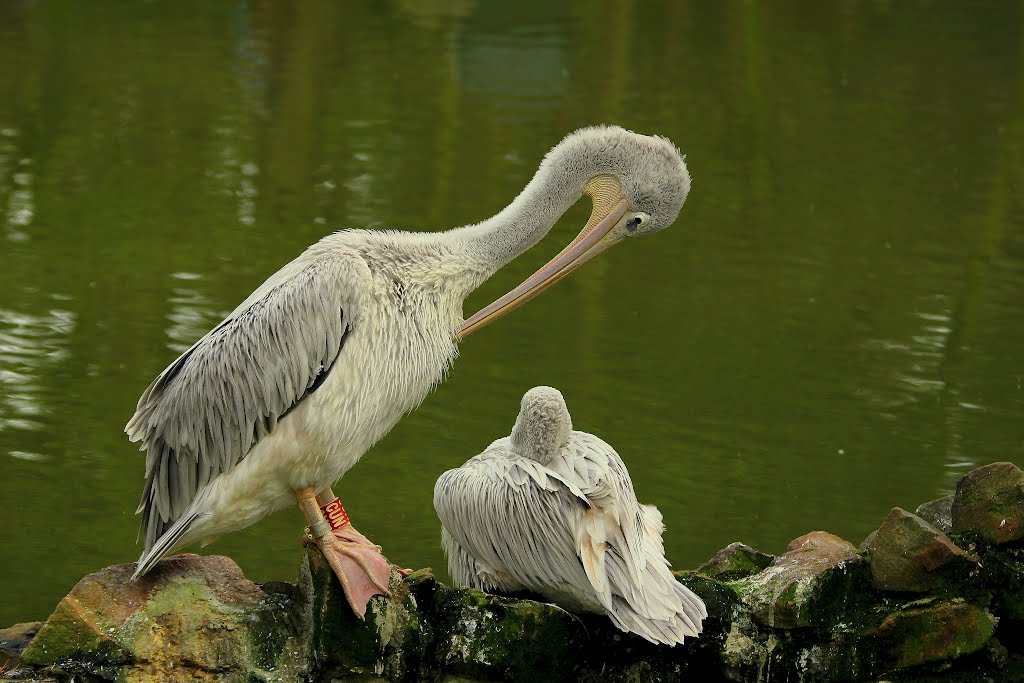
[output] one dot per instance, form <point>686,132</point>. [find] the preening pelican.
<point>552,511</point>
<point>282,398</point>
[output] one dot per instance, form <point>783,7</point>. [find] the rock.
<point>938,513</point>
<point>805,585</point>
<point>735,561</point>
<point>939,631</point>
<point>194,615</point>
<point>809,615</point>
<point>14,639</point>
<point>909,554</point>
<point>990,502</point>
<point>482,636</point>
<point>390,643</point>
<point>1002,571</point>
<point>719,598</point>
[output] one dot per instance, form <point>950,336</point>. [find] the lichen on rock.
<point>192,614</point>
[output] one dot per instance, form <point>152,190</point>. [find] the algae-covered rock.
<point>939,631</point>
<point>719,597</point>
<point>390,643</point>
<point>989,501</point>
<point>808,615</point>
<point>482,636</point>
<point>1002,572</point>
<point>192,615</point>
<point>909,554</point>
<point>736,561</point>
<point>14,639</point>
<point>807,585</point>
<point>938,513</point>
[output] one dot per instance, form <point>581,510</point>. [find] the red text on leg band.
<point>335,514</point>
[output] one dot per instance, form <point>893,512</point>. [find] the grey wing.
<point>598,471</point>
<point>622,547</point>
<point>203,414</point>
<point>515,520</point>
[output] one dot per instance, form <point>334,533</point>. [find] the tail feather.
<point>658,608</point>
<point>170,538</point>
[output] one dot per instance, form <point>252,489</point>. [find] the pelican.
<point>552,511</point>
<point>278,401</point>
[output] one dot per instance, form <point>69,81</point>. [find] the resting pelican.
<point>552,511</point>
<point>282,398</point>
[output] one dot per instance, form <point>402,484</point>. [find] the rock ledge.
<point>912,605</point>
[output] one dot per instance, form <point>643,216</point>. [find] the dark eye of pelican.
<point>636,221</point>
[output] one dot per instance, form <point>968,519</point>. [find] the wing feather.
<point>514,516</point>
<point>203,414</point>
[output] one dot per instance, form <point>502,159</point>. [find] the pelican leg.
<point>325,498</point>
<point>359,565</point>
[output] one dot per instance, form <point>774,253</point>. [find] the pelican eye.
<point>636,221</point>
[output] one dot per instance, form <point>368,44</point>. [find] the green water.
<point>833,327</point>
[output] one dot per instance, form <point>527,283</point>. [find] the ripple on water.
<point>30,345</point>
<point>192,315</point>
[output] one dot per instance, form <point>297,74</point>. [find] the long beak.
<point>609,208</point>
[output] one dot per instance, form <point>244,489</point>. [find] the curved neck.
<point>492,243</point>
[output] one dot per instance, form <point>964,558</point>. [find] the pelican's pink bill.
<point>588,244</point>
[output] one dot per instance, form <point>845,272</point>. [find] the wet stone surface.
<point>805,585</point>
<point>909,554</point>
<point>938,513</point>
<point>736,561</point>
<point>990,502</point>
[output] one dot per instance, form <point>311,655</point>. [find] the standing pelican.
<point>552,511</point>
<point>282,398</point>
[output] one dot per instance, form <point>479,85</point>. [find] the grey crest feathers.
<point>543,425</point>
<point>652,169</point>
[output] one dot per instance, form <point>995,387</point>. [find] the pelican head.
<point>543,426</point>
<point>637,184</point>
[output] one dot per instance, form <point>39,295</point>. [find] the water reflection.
<point>30,347</point>
<point>20,196</point>
<point>364,196</point>
<point>191,315</point>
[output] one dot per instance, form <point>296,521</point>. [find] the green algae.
<point>66,636</point>
<point>484,635</point>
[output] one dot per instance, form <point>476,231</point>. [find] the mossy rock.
<point>909,554</point>
<point>195,616</point>
<point>989,501</point>
<point>736,561</point>
<point>487,637</point>
<point>719,596</point>
<point>390,643</point>
<point>942,630</point>
<point>1002,573</point>
<point>808,585</point>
